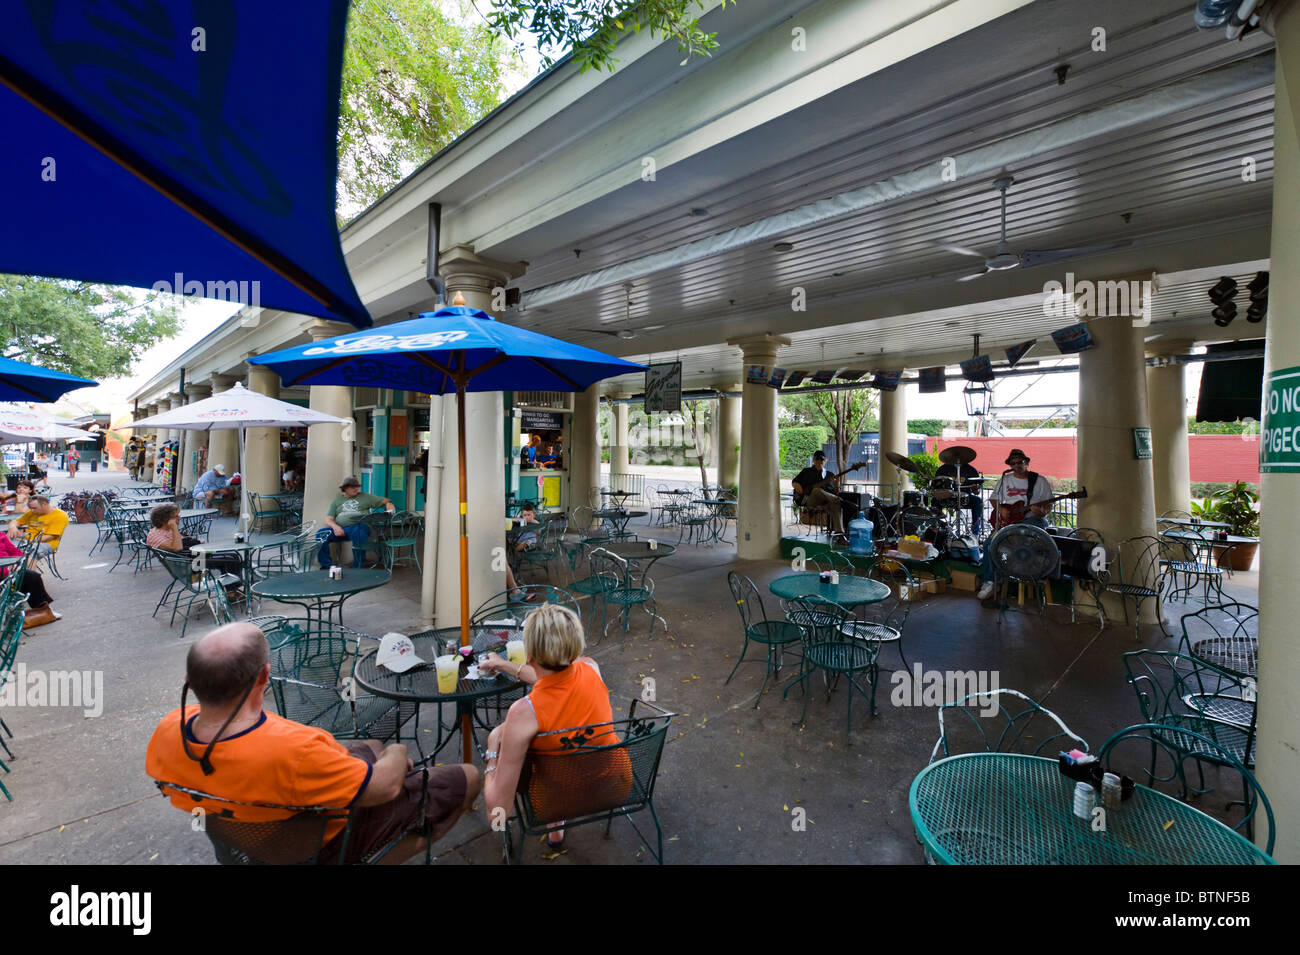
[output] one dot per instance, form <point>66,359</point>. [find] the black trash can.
<point>94,464</point>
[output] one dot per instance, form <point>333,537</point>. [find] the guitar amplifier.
<point>1076,556</point>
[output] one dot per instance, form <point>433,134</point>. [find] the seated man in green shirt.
<point>343,521</point>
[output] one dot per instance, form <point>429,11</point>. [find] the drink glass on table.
<point>448,672</point>
<point>515,652</point>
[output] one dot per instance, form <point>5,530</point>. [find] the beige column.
<point>893,434</point>
<point>155,439</point>
<point>758,513</point>
<point>729,418</point>
<point>175,402</point>
<point>262,445</point>
<point>1112,402</point>
<point>223,443</point>
<point>329,446</point>
<point>1167,403</point>
<point>1278,769</point>
<point>191,467</point>
<point>434,479</point>
<point>475,279</point>
<point>583,452</point>
<point>619,449</point>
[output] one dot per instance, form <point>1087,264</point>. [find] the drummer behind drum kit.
<point>936,513</point>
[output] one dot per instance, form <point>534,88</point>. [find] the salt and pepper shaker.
<point>1111,791</point>
<point>1084,800</point>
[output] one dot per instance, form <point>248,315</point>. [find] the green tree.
<point>846,414</point>
<point>592,27</point>
<point>416,74</point>
<point>94,331</point>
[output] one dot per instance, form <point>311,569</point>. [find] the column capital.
<point>1175,346</point>
<point>221,382</point>
<point>177,401</point>
<point>763,343</point>
<point>464,269</point>
<point>195,390</point>
<point>322,329</point>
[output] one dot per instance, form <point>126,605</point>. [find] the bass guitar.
<point>801,496</point>
<point>1015,513</point>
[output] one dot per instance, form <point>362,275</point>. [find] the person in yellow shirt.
<point>45,519</point>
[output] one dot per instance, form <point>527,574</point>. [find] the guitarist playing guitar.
<point>812,488</point>
<point>1023,497</point>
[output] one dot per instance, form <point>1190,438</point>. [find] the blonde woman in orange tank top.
<point>567,691</point>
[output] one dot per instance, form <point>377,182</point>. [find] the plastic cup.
<point>515,652</point>
<point>448,672</point>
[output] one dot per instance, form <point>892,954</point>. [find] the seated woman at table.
<point>19,495</point>
<point>567,691</point>
<point>38,598</point>
<point>166,535</point>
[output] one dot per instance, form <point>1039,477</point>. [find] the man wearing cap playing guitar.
<point>814,487</point>
<point>1021,496</point>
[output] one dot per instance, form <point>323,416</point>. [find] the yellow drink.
<point>448,673</point>
<point>515,652</point>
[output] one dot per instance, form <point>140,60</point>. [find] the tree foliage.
<point>591,28</point>
<point>846,414</point>
<point>416,74</point>
<point>94,331</point>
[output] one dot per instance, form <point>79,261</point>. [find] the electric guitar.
<point>801,496</point>
<point>1015,513</point>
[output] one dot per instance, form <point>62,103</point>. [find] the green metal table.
<point>1010,809</point>
<point>317,593</point>
<point>638,557</point>
<point>618,518</point>
<point>420,683</point>
<point>849,592</point>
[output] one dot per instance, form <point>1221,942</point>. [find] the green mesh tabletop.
<point>849,592</point>
<point>316,584</point>
<point>420,683</point>
<point>230,545</point>
<point>1237,654</point>
<point>639,550</point>
<point>1009,809</point>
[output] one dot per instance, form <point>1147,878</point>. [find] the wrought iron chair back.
<point>598,772</point>
<point>1162,746</point>
<point>1001,721</point>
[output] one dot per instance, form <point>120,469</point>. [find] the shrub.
<point>798,444</point>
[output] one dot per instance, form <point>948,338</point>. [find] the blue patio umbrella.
<point>451,351</point>
<point>176,144</point>
<point>20,382</point>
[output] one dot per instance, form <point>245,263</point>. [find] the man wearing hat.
<point>343,521</point>
<point>1019,485</point>
<point>211,486</point>
<point>807,494</point>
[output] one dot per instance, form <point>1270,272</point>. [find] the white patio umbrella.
<point>23,426</point>
<point>239,409</point>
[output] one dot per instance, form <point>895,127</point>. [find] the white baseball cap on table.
<point>397,653</point>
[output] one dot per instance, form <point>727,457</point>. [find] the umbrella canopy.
<point>21,382</point>
<point>179,143</point>
<point>452,350</point>
<point>23,427</point>
<point>431,351</point>
<point>237,408</point>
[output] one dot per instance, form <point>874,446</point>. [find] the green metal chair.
<point>585,782</point>
<point>312,682</point>
<point>403,541</point>
<point>827,647</point>
<point>205,589</point>
<point>11,631</point>
<point>265,511</point>
<point>1137,574</point>
<point>1164,749</point>
<point>622,586</point>
<point>775,636</point>
<point>1016,724</point>
<point>1225,635</point>
<point>885,620</point>
<point>297,839</point>
<point>547,550</point>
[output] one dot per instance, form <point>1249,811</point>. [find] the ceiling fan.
<point>625,333</point>
<point>1004,258</point>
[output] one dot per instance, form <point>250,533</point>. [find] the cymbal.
<point>957,454</point>
<point>900,461</point>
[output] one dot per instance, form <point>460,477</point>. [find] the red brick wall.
<point>1214,457</point>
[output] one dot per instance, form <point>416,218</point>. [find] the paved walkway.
<point>731,775</point>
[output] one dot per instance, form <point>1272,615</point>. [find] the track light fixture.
<point>1258,289</point>
<point>1222,294</point>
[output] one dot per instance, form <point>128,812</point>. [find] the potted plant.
<point>1237,509</point>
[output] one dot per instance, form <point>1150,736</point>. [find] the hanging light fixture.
<point>977,394</point>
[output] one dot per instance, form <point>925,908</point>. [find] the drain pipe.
<point>432,497</point>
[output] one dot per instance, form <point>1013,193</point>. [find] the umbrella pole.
<point>465,727</point>
<point>243,484</point>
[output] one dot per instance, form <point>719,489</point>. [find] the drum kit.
<point>938,511</point>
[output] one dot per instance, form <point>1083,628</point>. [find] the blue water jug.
<point>860,530</point>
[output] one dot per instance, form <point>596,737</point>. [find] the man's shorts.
<point>373,827</point>
<point>43,549</point>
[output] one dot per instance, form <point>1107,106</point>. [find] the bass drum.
<point>913,499</point>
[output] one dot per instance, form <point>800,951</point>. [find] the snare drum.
<point>942,489</point>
